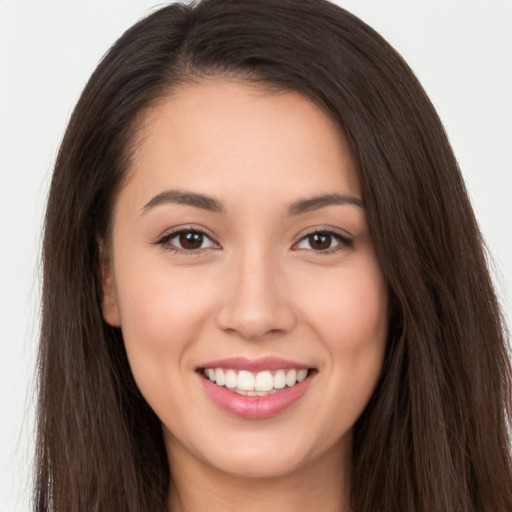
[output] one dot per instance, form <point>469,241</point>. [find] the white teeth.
<point>245,381</point>
<point>230,379</point>
<point>301,375</point>
<point>291,377</point>
<point>219,377</point>
<point>280,379</point>
<point>253,384</point>
<point>264,381</point>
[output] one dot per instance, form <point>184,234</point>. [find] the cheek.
<point>160,302</point>
<point>162,313</point>
<point>358,317</point>
<point>349,308</point>
<point>357,335</point>
<point>358,355</point>
<point>352,322</point>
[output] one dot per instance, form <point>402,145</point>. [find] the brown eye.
<point>187,240</point>
<point>320,241</point>
<point>191,240</point>
<point>325,242</point>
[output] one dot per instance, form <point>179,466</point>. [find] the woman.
<point>264,286</point>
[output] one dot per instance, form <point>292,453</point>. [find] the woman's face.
<point>241,254</point>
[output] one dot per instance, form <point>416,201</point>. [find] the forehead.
<point>228,138</point>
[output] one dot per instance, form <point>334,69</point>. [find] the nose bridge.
<point>255,302</point>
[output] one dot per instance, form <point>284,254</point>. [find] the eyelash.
<point>164,241</point>
<point>344,242</point>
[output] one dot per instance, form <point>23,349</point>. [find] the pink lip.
<point>255,407</point>
<point>255,365</point>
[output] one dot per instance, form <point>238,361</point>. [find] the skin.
<point>256,287</point>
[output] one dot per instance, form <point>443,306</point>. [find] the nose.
<point>255,303</point>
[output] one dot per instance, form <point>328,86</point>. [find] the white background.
<point>460,49</point>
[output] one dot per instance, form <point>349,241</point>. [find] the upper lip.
<point>254,365</point>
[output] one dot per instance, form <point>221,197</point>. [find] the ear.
<point>109,305</point>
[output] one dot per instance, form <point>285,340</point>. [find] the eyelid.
<point>172,233</point>
<point>345,240</point>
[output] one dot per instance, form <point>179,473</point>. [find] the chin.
<point>265,458</point>
<point>260,467</point>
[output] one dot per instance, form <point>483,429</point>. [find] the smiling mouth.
<point>262,383</point>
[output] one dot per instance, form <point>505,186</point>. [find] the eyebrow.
<point>186,198</point>
<point>213,205</point>
<point>318,202</point>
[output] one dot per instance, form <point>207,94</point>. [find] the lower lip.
<point>255,407</point>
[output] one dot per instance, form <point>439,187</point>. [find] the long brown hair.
<point>434,436</point>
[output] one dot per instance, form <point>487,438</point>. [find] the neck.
<point>321,485</point>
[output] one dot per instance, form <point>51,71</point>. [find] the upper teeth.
<point>245,382</point>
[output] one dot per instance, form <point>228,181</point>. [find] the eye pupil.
<point>320,241</point>
<point>191,240</point>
